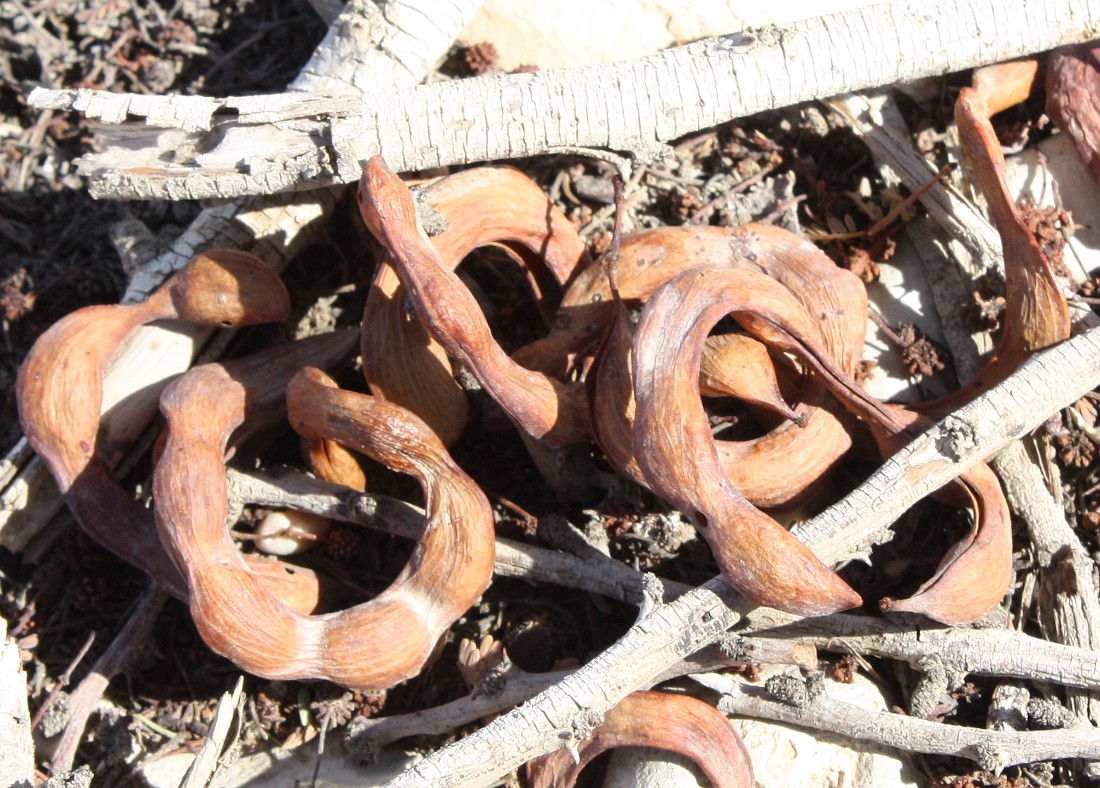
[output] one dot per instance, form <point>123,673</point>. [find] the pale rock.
<point>290,532</point>
<point>642,766</point>
<point>560,33</point>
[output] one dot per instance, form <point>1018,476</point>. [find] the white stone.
<point>560,33</point>
<point>284,526</point>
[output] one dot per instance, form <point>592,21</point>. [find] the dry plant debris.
<point>634,342</point>
<point>677,723</point>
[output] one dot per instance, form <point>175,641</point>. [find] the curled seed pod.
<point>542,407</point>
<point>673,444</point>
<point>227,287</point>
<point>678,723</point>
<point>1036,313</point>
<point>332,462</point>
<point>1073,98</point>
<point>401,360</point>
<point>370,646</point>
<point>735,365</point>
<point>60,393</point>
<point>976,572</point>
<point>788,463</point>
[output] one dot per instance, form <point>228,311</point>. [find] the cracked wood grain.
<point>701,85</point>
<point>990,749</point>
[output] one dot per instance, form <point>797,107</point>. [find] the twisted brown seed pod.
<point>674,447</point>
<point>1073,98</point>
<point>332,462</point>
<point>791,461</point>
<point>401,360</point>
<point>1036,312</point>
<point>678,723</point>
<point>60,392</point>
<point>976,572</point>
<point>543,407</point>
<point>371,646</point>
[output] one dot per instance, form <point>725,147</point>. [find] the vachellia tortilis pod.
<point>661,720</point>
<point>60,393</point>
<point>787,464</point>
<point>402,361</point>
<point>676,452</point>
<point>373,645</point>
<point>541,406</point>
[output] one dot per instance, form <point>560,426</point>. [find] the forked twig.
<point>1041,386</point>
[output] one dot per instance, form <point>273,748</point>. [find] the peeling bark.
<point>632,108</point>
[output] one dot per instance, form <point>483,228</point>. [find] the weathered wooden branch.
<point>991,749</point>
<point>507,686</point>
<point>17,766</point>
<point>988,652</point>
<point>593,572</point>
<point>196,147</point>
<point>1048,381</point>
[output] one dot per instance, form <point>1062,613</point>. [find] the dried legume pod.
<point>332,462</point>
<point>373,645</point>
<point>60,393</point>
<point>790,462</point>
<point>1073,98</point>
<point>497,206</point>
<point>674,448</point>
<point>976,572</point>
<point>543,407</point>
<point>678,723</point>
<point>1036,312</point>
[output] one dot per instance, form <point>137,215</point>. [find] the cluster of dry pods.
<point>629,353</point>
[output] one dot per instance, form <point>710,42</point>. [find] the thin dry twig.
<point>1042,385</point>
<point>992,749</point>
<point>132,636</point>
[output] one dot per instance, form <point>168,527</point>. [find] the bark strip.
<point>631,108</point>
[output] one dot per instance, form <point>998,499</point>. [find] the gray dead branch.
<point>177,148</point>
<point>1045,383</point>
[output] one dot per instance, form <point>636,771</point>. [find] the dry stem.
<point>991,749</point>
<point>276,143</point>
<point>1050,380</point>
